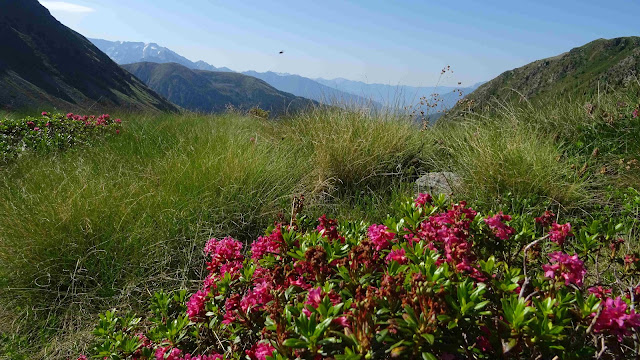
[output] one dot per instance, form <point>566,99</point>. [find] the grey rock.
<point>437,183</point>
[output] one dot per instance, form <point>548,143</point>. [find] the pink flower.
<point>174,354</point>
<point>36,129</point>
<point>615,319</point>
<point>257,298</point>
<point>204,357</point>
<point>599,291</point>
<point>69,115</point>
<point>231,305</point>
<point>546,219</point>
<point>569,268</point>
<point>196,305</point>
<point>559,233</point>
<point>82,357</point>
<point>635,113</point>
<point>329,229</point>
<point>380,236</point>
<point>117,121</point>
<point>423,199</point>
<point>260,351</point>
<point>267,244</point>
<point>397,255</point>
<point>44,113</point>
<point>315,297</point>
<point>499,228</point>
<point>226,256</point>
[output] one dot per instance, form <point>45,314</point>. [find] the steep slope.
<point>581,71</point>
<point>127,52</point>
<point>43,63</point>
<point>208,91</point>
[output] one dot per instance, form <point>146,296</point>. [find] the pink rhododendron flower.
<point>329,229</point>
<point>569,268</point>
<point>82,357</point>
<point>635,113</point>
<point>559,233</point>
<point>267,244</point>
<point>397,255</point>
<point>226,256</point>
<point>546,219</point>
<point>315,296</point>
<point>423,199</point>
<point>499,228</point>
<point>380,236</point>
<point>599,291</point>
<point>36,129</point>
<point>174,354</point>
<point>615,319</point>
<point>44,113</point>
<point>117,121</point>
<point>231,305</point>
<point>260,351</point>
<point>69,115</point>
<point>196,305</point>
<point>204,357</point>
<point>259,296</point>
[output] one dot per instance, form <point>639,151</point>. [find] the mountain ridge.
<point>50,65</point>
<point>211,91</point>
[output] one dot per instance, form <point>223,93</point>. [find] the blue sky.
<point>389,42</point>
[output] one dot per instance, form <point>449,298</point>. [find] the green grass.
<point>87,228</point>
<point>100,226</point>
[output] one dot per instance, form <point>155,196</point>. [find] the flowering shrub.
<point>53,131</point>
<point>433,282</point>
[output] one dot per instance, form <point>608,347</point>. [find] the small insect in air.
<point>281,51</point>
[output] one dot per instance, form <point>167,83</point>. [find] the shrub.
<point>433,282</point>
<point>52,132</point>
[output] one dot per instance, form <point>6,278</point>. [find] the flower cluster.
<point>53,132</point>
<point>431,283</point>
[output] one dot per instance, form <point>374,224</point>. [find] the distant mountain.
<point>581,71</point>
<point>311,89</point>
<point>44,64</point>
<point>126,52</point>
<point>400,95</point>
<point>209,91</point>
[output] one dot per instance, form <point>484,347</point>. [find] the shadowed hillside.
<point>44,63</point>
<point>209,91</point>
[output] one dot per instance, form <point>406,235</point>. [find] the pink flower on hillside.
<point>599,291</point>
<point>31,124</point>
<point>257,298</point>
<point>267,244</point>
<point>569,268</point>
<point>82,357</point>
<point>231,306</point>
<point>380,236</point>
<point>44,113</point>
<point>546,219</point>
<point>69,115</point>
<point>329,229</point>
<point>397,255</point>
<point>635,113</point>
<point>117,121</point>
<point>36,129</point>
<point>226,256</point>
<point>196,305</point>
<point>315,297</point>
<point>423,199</point>
<point>174,354</point>
<point>615,319</point>
<point>498,227</point>
<point>260,351</point>
<point>559,233</point>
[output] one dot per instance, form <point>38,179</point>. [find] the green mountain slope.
<point>581,71</point>
<point>44,64</point>
<point>209,91</point>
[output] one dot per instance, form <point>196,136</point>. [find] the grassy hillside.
<point>44,64</point>
<point>88,229</point>
<point>209,91</point>
<point>585,70</point>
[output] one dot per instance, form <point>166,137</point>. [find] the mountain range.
<point>584,70</point>
<point>212,91</point>
<point>45,64</point>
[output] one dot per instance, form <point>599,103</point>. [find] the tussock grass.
<point>88,228</point>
